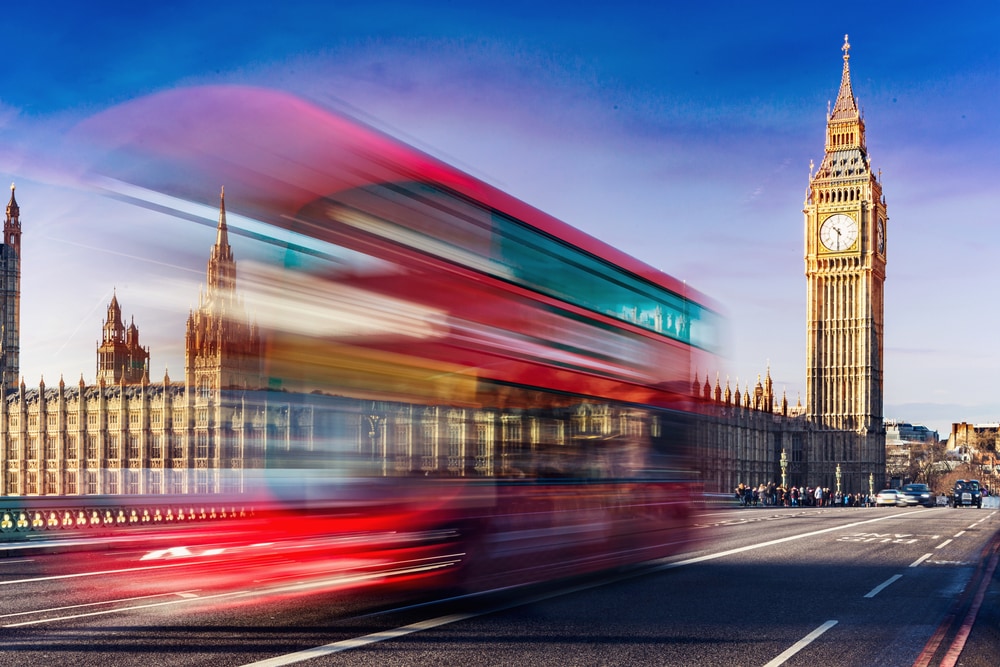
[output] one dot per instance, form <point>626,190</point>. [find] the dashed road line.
<point>943,544</point>
<point>801,644</point>
<point>920,560</point>
<point>885,584</point>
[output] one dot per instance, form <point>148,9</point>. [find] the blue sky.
<point>681,135</point>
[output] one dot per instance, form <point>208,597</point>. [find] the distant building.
<point>970,442</point>
<point>897,432</point>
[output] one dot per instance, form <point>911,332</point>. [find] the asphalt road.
<point>765,586</point>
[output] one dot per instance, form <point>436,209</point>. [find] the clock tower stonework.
<point>845,257</point>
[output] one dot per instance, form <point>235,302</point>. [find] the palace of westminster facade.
<point>207,433</point>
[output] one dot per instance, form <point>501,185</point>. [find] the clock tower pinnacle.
<point>845,258</point>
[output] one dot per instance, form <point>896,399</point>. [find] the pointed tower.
<point>10,296</point>
<point>845,258</point>
<point>221,265</point>
<point>222,347</point>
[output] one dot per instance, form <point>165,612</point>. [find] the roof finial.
<point>846,48</point>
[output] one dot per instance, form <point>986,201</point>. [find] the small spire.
<point>222,237</point>
<point>13,210</point>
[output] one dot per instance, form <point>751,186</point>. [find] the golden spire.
<point>846,107</point>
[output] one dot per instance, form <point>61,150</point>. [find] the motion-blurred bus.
<point>444,371</point>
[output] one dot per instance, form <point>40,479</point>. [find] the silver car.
<point>890,497</point>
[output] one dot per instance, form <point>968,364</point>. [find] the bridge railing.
<point>20,515</point>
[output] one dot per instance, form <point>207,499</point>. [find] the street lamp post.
<point>838,478</point>
<point>784,469</point>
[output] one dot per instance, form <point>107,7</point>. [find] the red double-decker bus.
<point>473,367</point>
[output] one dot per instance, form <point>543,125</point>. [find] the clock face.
<point>881,236</point>
<point>839,232</point>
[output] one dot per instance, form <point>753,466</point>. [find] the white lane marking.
<point>238,594</point>
<point>878,589</point>
<point>21,560</point>
<point>960,533</point>
<point>920,560</point>
<point>347,644</point>
<point>801,644</point>
<point>116,611</point>
<point>186,595</point>
<point>357,642</point>
<point>93,604</point>
<point>782,540</point>
<point>943,544</point>
<point>90,574</point>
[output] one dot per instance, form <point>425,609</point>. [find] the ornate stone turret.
<point>120,357</point>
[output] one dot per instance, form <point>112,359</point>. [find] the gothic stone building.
<point>840,434</point>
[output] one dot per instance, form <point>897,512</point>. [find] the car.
<point>967,493</point>
<point>916,494</point>
<point>888,497</point>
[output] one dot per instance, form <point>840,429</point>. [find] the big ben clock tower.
<point>845,254</point>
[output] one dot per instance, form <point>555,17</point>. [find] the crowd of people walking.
<point>772,494</point>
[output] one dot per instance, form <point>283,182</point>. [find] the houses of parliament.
<point>213,429</point>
